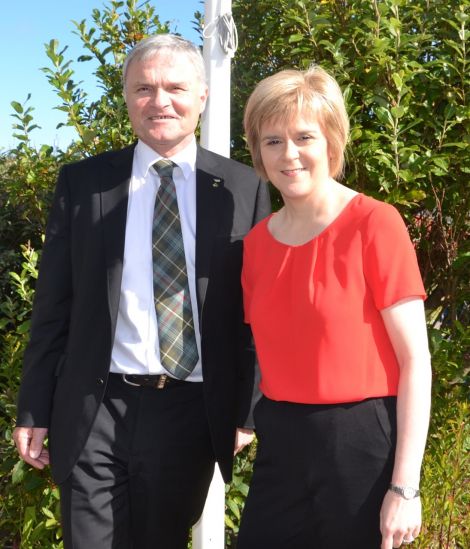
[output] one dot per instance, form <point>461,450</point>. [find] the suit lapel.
<point>209,188</point>
<point>114,199</point>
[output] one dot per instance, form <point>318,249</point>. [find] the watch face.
<point>408,492</point>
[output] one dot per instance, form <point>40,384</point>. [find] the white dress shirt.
<point>136,347</point>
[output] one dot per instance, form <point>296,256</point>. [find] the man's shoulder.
<point>120,156</point>
<point>209,159</point>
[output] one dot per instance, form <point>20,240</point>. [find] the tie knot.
<point>164,168</point>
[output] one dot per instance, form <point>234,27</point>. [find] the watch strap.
<point>406,492</point>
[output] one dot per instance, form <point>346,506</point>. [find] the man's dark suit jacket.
<point>67,360</point>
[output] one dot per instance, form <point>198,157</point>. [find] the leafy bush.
<point>446,466</point>
<point>29,506</point>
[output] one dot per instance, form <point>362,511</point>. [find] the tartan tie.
<point>178,350</point>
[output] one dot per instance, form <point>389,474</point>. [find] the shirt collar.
<point>185,159</point>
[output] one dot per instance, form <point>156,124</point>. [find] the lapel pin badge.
<point>216,182</point>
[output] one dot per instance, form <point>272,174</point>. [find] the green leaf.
<point>17,106</point>
<point>244,488</point>
<point>88,136</point>
<point>28,522</point>
<point>397,112</point>
<point>295,38</point>
<point>462,16</point>
<point>384,116</point>
<point>24,327</point>
<point>456,145</point>
<point>33,481</point>
<point>355,134</point>
<point>398,81</point>
<point>411,125</point>
<point>18,472</point>
<point>234,508</point>
<point>441,162</point>
<point>229,523</point>
<point>415,195</point>
<point>47,512</point>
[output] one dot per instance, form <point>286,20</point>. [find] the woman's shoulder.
<point>368,204</point>
<point>373,211</point>
<point>379,221</point>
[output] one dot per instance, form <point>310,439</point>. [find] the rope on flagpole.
<point>224,25</point>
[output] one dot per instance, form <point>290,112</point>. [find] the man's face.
<point>164,99</point>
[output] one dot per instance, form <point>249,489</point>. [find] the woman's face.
<point>295,155</point>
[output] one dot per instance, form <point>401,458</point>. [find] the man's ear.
<point>204,95</point>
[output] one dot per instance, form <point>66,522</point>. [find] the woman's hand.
<point>400,520</point>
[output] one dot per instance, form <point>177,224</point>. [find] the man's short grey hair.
<point>148,47</point>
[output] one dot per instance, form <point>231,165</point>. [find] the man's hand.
<point>30,445</point>
<point>243,437</point>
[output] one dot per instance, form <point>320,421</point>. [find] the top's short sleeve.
<point>390,264</point>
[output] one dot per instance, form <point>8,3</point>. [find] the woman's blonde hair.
<point>288,93</point>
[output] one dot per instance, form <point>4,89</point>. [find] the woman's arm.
<point>406,326</point>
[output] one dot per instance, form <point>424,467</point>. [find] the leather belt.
<point>162,381</point>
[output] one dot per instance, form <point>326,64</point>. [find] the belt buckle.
<point>162,381</point>
<point>124,377</point>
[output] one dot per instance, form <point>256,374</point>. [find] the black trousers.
<point>320,475</point>
<point>143,476</point>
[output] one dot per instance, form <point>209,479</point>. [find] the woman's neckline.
<point>341,213</point>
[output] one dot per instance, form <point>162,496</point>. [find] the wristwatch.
<point>406,492</point>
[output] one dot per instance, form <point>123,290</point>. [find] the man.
<point>135,427</point>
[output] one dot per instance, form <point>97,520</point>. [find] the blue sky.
<point>24,29</point>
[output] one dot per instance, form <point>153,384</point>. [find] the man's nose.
<point>161,98</point>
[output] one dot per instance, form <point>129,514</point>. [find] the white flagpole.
<point>209,531</point>
<point>215,127</point>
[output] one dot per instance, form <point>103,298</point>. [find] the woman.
<point>335,300</point>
